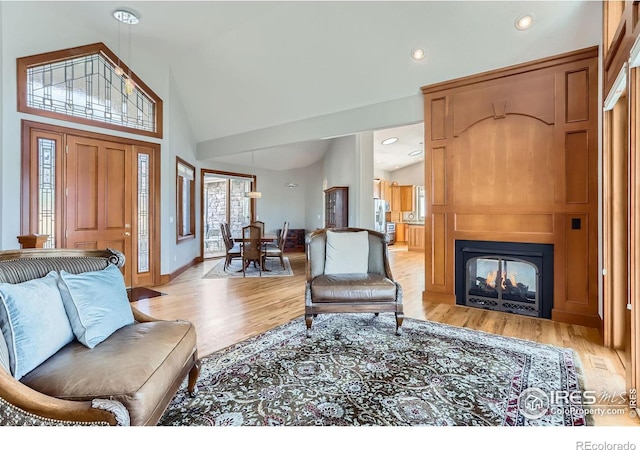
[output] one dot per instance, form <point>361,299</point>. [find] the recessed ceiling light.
<point>417,54</point>
<point>415,153</point>
<point>291,185</point>
<point>391,140</point>
<point>126,17</point>
<point>524,22</point>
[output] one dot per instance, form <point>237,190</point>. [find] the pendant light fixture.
<point>119,70</point>
<point>253,194</point>
<point>128,18</point>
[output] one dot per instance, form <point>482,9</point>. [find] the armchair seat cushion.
<point>353,287</point>
<point>136,366</point>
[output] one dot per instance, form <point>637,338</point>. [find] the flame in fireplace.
<point>491,279</point>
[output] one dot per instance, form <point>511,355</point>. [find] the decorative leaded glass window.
<point>143,213</point>
<point>81,85</point>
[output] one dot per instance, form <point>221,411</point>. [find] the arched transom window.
<point>81,85</point>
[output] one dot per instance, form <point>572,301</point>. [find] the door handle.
<point>126,233</point>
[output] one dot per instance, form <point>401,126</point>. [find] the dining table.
<point>265,238</point>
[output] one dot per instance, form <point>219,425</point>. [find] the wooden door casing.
<point>120,164</point>
<point>98,197</point>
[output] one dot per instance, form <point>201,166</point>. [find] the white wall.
<point>364,210</point>
<point>314,196</point>
<point>381,174</point>
<point>180,143</point>
<point>413,174</point>
<point>340,168</point>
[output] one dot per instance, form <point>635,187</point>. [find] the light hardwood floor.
<point>226,311</point>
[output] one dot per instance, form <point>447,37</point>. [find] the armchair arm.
<point>21,405</point>
<point>139,316</point>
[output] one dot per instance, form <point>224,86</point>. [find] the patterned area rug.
<point>355,371</point>
<point>234,269</point>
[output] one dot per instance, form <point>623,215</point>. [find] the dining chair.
<point>233,250</point>
<point>259,223</point>
<point>227,230</point>
<point>277,250</point>
<point>252,249</point>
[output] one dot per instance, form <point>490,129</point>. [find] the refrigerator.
<point>380,207</point>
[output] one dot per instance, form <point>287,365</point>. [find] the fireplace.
<point>505,276</point>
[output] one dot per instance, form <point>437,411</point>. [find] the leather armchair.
<point>375,291</point>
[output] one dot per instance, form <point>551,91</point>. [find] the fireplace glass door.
<point>503,283</point>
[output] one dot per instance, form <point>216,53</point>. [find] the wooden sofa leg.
<point>308,319</point>
<point>193,378</point>
<point>399,319</point>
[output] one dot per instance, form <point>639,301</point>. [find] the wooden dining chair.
<point>252,249</point>
<point>277,250</point>
<point>232,249</point>
<point>258,223</point>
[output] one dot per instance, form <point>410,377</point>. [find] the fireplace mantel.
<point>512,155</point>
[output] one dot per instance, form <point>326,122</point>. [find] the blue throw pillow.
<point>96,303</point>
<point>33,322</point>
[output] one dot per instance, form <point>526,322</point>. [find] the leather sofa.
<point>127,379</point>
<point>352,275</point>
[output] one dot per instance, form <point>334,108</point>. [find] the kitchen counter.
<point>414,223</point>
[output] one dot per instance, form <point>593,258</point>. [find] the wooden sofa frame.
<point>39,409</point>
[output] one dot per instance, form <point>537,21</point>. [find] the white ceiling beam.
<point>393,113</point>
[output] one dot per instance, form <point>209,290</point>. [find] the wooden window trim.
<point>192,202</point>
<point>203,173</point>
<point>29,61</point>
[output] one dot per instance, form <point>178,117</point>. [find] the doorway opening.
<point>224,201</point>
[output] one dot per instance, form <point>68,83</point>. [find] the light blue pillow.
<point>96,303</point>
<point>33,322</point>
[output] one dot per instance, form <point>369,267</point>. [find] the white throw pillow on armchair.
<point>347,252</point>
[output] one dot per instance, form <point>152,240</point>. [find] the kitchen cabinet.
<point>406,198</point>
<point>396,199</point>
<point>336,207</point>
<point>382,190</point>
<point>401,232</point>
<point>385,190</point>
<point>416,237</point>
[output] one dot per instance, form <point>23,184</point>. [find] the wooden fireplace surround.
<point>512,155</point>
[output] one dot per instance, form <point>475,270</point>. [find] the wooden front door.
<point>98,196</point>
<point>88,190</point>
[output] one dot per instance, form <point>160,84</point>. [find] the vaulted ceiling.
<point>253,69</point>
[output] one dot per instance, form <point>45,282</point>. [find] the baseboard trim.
<point>166,278</point>
<point>437,297</point>
<point>577,319</point>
